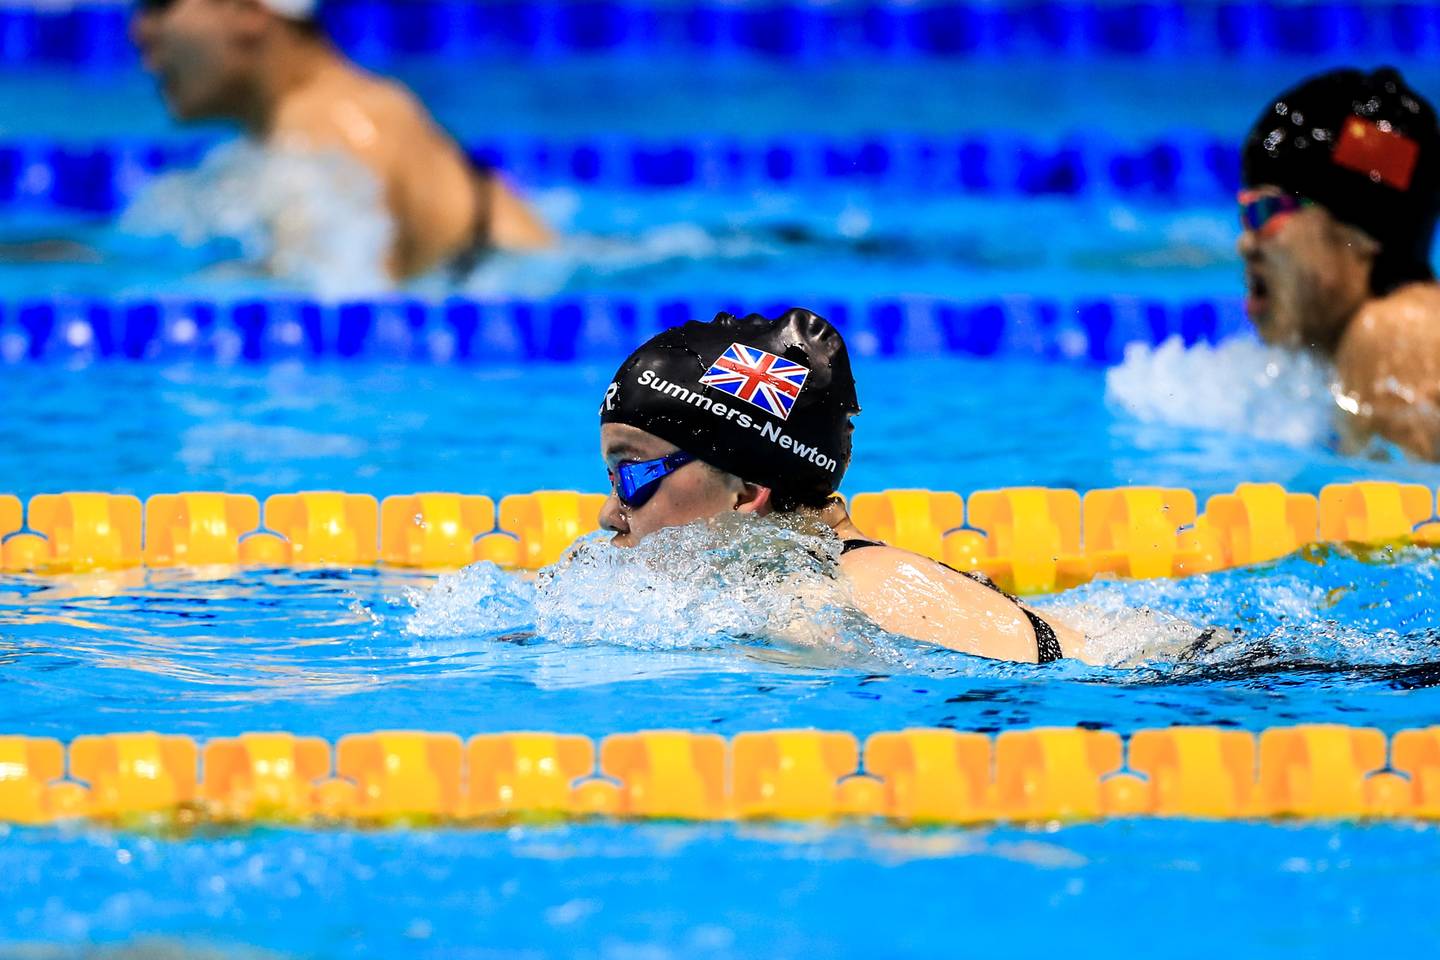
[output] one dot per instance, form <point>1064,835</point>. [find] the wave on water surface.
<point>733,580</point>
<point>758,585</point>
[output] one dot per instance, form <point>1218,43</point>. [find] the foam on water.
<point>743,584</point>
<point>480,600</point>
<point>738,581</point>
<point>316,220</point>
<point>1327,608</point>
<point>707,585</point>
<point>1238,386</point>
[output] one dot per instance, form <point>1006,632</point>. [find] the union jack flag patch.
<point>769,382</point>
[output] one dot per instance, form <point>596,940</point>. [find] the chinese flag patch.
<point>1380,155</point>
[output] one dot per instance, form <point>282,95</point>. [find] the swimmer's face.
<point>202,52</point>
<point>695,491</point>
<point>1306,274</point>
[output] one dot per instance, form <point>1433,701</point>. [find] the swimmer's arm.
<point>1389,368</point>
<point>514,225</point>
<point>916,597</point>
<point>439,201</point>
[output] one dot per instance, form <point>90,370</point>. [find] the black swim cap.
<point>767,400</point>
<point>1365,147</point>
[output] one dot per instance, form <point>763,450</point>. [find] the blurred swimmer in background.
<point>267,66</point>
<point>1341,194</point>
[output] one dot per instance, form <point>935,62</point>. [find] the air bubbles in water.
<point>1118,635</point>
<point>1239,386</point>
<point>769,589</point>
<point>480,600</point>
<point>736,579</point>
<point>1326,609</point>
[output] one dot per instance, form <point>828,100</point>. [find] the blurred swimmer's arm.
<point>917,597</point>
<point>513,224</point>
<point>444,208</point>
<point>1389,368</point>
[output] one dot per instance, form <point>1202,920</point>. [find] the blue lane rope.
<point>578,329</point>
<point>94,31</point>
<point>101,177</point>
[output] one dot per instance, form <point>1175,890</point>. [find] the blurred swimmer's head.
<point>1342,191</point>
<point>740,414</point>
<point>207,54</point>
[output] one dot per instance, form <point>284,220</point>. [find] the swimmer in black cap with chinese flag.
<point>753,415</point>
<point>1342,192</point>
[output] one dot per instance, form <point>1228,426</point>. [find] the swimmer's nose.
<point>144,28</point>
<point>612,517</point>
<point>1248,244</point>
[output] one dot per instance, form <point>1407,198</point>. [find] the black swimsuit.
<point>482,231</point>
<point>1047,644</point>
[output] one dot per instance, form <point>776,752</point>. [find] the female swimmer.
<point>753,415</point>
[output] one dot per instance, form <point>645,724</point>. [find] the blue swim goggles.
<point>636,481</point>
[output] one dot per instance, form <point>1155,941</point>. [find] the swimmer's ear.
<point>753,498</point>
<point>1358,240</point>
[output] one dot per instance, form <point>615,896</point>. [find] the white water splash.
<point>732,580</point>
<point>584,258</point>
<point>1117,635</point>
<point>317,220</point>
<point>1239,386</point>
<point>1328,607</point>
<point>735,577</point>
<point>480,600</point>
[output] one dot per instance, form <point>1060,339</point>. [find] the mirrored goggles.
<point>636,481</point>
<point>1260,210</point>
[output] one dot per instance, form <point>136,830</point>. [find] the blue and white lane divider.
<point>579,329</point>
<point>102,177</point>
<point>94,31</point>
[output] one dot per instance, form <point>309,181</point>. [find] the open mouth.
<point>1257,294</point>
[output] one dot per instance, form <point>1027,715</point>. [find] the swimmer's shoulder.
<point>910,594</point>
<point>371,116</point>
<point>1396,329</point>
<point>1388,363</point>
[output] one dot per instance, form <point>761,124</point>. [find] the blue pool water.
<point>733,892</point>
<point>998,210</point>
<point>1329,636</point>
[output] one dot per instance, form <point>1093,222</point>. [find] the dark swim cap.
<point>1366,148</point>
<point>767,400</point>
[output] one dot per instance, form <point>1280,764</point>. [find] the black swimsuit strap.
<point>482,229</point>
<point>1046,643</point>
